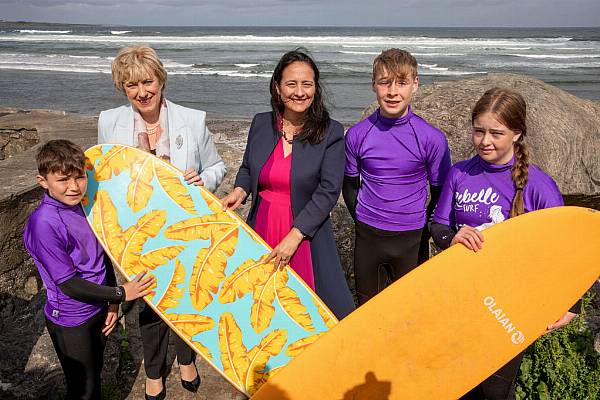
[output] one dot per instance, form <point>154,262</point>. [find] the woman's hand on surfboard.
<point>234,199</point>
<point>192,177</point>
<point>470,237</point>
<point>111,319</point>
<point>139,286</point>
<point>563,321</point>
<point>283,252</point>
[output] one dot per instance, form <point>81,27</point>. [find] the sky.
<point>426,13</point>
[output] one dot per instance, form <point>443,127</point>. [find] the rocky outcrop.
<point>563,131</point>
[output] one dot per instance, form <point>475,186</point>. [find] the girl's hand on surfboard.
<point>563,321</point>
<point>283,252</point>
<point>234,199</point>
<point>470,237</point>
<point>111,319</point>
<point>139,286</point>
<point>192,177</point>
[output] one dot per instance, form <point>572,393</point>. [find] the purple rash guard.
<point>62,245</point>
<point>395,157</point>
<point>480,194</point>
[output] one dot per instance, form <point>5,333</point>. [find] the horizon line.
<point>487,27</point>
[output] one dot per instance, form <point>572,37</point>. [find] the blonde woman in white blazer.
<point>190,142</point>
<point>180,135</point>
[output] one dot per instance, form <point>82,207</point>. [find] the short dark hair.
<point>317,116</point>
<point>62,156</point>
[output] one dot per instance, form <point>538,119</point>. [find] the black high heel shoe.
<point>192,386</point>
<point>161,396</point>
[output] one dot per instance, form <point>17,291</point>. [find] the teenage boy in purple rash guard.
<point>79,279</point>
<point>497,184</point>
<point>391,156</point>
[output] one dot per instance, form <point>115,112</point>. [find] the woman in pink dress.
<point>274,218</point>
<point>293,166</point>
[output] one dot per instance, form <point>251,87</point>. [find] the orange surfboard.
<point>452,322</point>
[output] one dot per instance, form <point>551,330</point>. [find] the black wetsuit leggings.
<point>381,257</point>
<point>80,350</point>
<point>499,386</point>
<point>155,340</point>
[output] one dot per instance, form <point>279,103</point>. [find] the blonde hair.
<point>134,64</point>
<point>397,63</point>
<point>510,109</point>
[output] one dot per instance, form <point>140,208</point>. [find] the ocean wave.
<point>452,73</point>
<point>364,69</point>
<point>87,65</point>
<point>369,53</point>
<point>367,41</point>
<point>70,60</point>
<point>119,32</point>
<point>359,46</point>
<point>56,68</point>
<point>88,69</point>
<point>557,56</point>
<point>229,73</point>
<point>438,54</point>
<point>545,65</point>
<point>433,67</point>
<point>374,53</point>
<point>575,48</point>
<point>35,31</point>
<point>246,65</point>
<point>83,57</point>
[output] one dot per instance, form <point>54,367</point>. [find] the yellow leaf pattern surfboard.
<point>246,318</point>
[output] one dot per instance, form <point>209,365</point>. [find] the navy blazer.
<point>317,173</point>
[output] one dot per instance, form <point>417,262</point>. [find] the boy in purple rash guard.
<point>391,156</point>
<point>497,184</point>
<point>73,267</point>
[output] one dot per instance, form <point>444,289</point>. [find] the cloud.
<point>232,4</point>
<point>406,13</point>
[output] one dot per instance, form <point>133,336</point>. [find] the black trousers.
<point>381,257</point>
<point>155,339</point>
<point>499,386</point>
<point>80,350</point>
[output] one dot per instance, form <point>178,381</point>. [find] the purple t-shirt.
<point>62,245</point>
<point>395,157</point>
<point>480,194</point>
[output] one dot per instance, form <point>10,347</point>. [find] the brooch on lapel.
<point>179,141</point>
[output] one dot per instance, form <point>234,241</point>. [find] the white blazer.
<point>190,142</point>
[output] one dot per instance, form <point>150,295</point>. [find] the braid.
<point>510,109</point>
<point>520,174</point>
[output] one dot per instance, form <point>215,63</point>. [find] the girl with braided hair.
<point>496,184</point>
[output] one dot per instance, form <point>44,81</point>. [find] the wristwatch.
<point>120,292</point>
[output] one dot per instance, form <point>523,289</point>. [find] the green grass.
<point>562,365</point>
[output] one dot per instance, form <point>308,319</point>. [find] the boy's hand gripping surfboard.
<point>453,321</point>
<point>246,318</point>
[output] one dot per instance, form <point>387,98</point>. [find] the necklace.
<point>151,130</point>
<point>289,141</point>
<point>284,134</point>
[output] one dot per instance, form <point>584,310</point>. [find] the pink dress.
<point>274,217</point>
